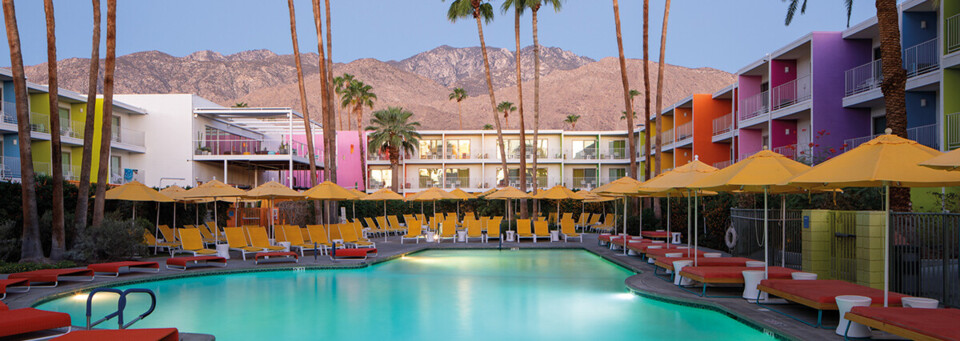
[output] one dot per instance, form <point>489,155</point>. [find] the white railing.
<point>215,146</point>
<point>790,93</point>
<point>616,153</point>
<point>42,168</point>
<point>586,154</point>
<point>927,135</point>
<point>71,173</point>
<point>584,182</point>
<point>722,124</point>
<point>951,32</point>
<point>9,168</point>
<point>849,144</point>
<point>40,122</point>
<point>862,78</point>
<point>790,151</point>
<point>921,58</point>
<point>128,136</point>
<point>666,137</point>
<point>71,128</point>
<point>722,164</point>
<point>138,175</point>
<point>9,114</point>
<point>952,131</point>
<point>754,106</point>
<point>684,131</point>
<point>457,182</point>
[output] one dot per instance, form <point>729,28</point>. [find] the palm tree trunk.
<point>536,103</point>
<point>631,171</point>
<point>106,136</point>
<point>646,88</point>
<point>57,245</point>
<point>460,112</point>
<point>523,132</point>
<point>493,99</point>
<point>894,85</point>
<point>30,250</point>
<point>394,168</point>
<point>663,50</point>
<point>333,105</point>
<point>83,199</point>
<point>329,134</point>
<point>361,142</point>
<point>303,92</point>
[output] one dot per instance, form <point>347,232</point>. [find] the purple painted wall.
<point>750,142</point>
<point>782,133</point>
<point>782,71</point>
<point>831,57</point>
<point>749,86</point>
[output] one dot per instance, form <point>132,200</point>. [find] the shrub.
<point>114,239</point>
<point>9,241</point>
<point>9,268</point>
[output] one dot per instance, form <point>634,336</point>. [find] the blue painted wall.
<point>918,115</point>
<point>8,94</point>
<point>912,33</point>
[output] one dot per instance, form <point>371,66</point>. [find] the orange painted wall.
<point>682,156</point>
<point>705,110</point>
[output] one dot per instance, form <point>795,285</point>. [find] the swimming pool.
<point>431,295</point>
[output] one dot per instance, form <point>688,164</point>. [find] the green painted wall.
<point>949,9</point>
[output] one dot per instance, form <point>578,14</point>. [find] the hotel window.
<point>116,169</point>
<point>430,149</point>
<point>458,149</point>
<point>513,148</point>
<point>115,129</point>
<point>585,149</point>
<point>618,149</point>
<point>616,173</point>
<point>381,178</point>
<point>514,174</point>
<point>458,177</point>
<point>430,177</point>
<point>585,178</point>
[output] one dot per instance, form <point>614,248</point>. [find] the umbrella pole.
<point>696,227</point>
<point>766,244</point>
<point>216,222</point>
<point>689,224</point>
<point>886,247</point>
<point>158,216</point>
<point>385,219</point>
<point>669,233</point>
<point>783,230</point>
<point>625,234</point>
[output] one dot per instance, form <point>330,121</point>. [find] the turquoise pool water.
<point>433,295</point>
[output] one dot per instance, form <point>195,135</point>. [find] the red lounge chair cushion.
<point>662,252</point>
<point>18,282</point>
<point>160,334</point>
<point>734,272</point>
<point>826,290</point>
<point>182,261</point>
<point>50,275</point>
<point>655,234</point>
<point>277,254</point>
<point>642,246</point>
<point>19,321</point>
<point>719,261</point>
<point>115,266</point>
<point>358,252</point>
<point>937,323</point>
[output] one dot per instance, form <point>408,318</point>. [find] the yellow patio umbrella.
<point>272,190</point>
<point>329,191</point>
<point>488,192</point>
<point>383,194</point>
<point>461,195</point>
<point>759,173</point>
<point>215,190</point>
<point>675,182</point>
<point>174,192</point>
<point>623,187</point>
<point>885,161</point>
<point>431,194</point>
<point>136,191</point>
<point>360,195</point>
<point>948,161</point>
<point>558,193</point>
<point>509,193</point>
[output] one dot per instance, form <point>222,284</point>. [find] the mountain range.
<point>570,84</point>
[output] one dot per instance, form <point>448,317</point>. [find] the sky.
<point>722,34</point>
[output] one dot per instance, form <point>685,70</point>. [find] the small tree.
<point>572,119</point>
<point>393,133</point>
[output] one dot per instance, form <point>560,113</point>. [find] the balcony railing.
<point>722,124</point>
<point>457,182</point>
<point>71,173</point>
<point>427,183</point>
<point>928,135</point>
<point>952,131</point>
<point>790,151</point>
<point>128,176</point>
<point>586,154</point>
<point>684,131</point>
<point>790,93</point>
<point>921,58</point>
<point>666,137</point>
<point>616,153</point>
<point>754,106</point>
<point>71,128</point>
<point>248,147</point>
<point>9,168</point>
<point>584,182</point>
<point>128,136</point>
<point>430,156</point>
<point>40,122</point>
<point>951,32</point>
<point>9,114</point>
<point>42,168</point>
<point>862,78</point>
<point>722,164</point>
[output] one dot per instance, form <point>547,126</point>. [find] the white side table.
<point>603,243</point>
<point>462,236</point>
<point>223,250</point>
<point>554,236</point>
<point>676,237</point>
<point>653,247</point>
<point>677,266</point>
<point>920,302</point>
<point>804,276</point>
<point>510,235</point>
<point>755,264</point>
<point>712,255</point>
<point>431,236</point>
<point>752,278</point>
<point>285,245</point>
<point>844,304</point>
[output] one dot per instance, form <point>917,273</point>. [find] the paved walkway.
<point>644,283</point>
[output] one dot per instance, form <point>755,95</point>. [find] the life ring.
<point>730,237</point>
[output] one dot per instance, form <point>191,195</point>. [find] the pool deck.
<point>644,283</point>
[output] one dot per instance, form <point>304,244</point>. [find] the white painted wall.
<point>167,137</point>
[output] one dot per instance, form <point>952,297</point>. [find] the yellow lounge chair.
<point>407,218</point>
<point>541,230</point>
<point>190,242</point>
<point>569,231</point>
<point>473,229</point>
<point>258,238</point>
<point>552,217</point>
<point>297,242</point>
<point>278,233</point>
<point>169,235</point>
<point>152,241</point>
<point>373,226</point>
<point>584,219</point>
<point>448,230</point>
<point>318,235</point>
<point>413,231</point>
<point>334,231</point>
<point>384,225</point>
<point>213,229</point>
<point>237,242</point>
<point>305,234</point>
<point>594,221</point>
<point>349,236</point>
<point>567,216</point>
<point>395,226</point>
<point>493,228</point>
<point>358,229</point>
<point>205,234</point>
<point>607,224</point>
<point>523,230</point>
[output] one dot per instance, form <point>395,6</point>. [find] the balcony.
<point>586,154</point>
<point>71,173</point>
<point>927,135</point>
<point>428,183</point>
<point>457,182</point>
<point>71,128</point>
<point>246,147</point>
<point>952,131</point>
<point>9,114</point>
<point>430,156</point>
<point>39,122</point>
<point>684,131</point>
<point>375,185</point>
<point>616,153</point>
<point>862,78</point>
<point>128,136</point>
<point>790,93</point>
<point>584,182</point>
<point>790,151</point>
<point>951,32</point>
<point>921,58</point>
<point>42,169</point>
<point>754,106</point>
<point>723,124</point>
<point>722,164</point>
<point>129,175</point>
<point>9,168</point>
<point>666,137</point>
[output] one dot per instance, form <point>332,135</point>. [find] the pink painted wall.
<point>782,133</point>
<point>779,72</point>
<point>349,174</point>
<point>750,141</point>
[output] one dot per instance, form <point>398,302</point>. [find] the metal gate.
<point>924,249</point>
<point>843,245</point>
<point>785,235</point>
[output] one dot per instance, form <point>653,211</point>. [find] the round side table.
<point>844,304</point>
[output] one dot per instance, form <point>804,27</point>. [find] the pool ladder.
<point>121,305</point>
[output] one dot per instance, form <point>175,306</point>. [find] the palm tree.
<point>359,95</point>
<point>57,245</point>
<point>518,7</point>
<point>506,108</point>
<point>459,94</point>
<point>572,119</point>
<point>83,201</point>
<point>534,8</point>
<point>646,90</point>
<point>241,104</point>
<point>392,133</point>
<point>339,85</point>
<point>30,250</point>
<point>303,93</point>
<point>623,115</point>
<point>631,171</point>
<point>326,104</point>
<point>663,50</point>
<point>481,9</point>
<point>332,105</point>
<point>106,135</point>
<point>894,76</point>
<point>487,126</point>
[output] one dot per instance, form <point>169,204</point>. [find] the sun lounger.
<point>180,263</point>
<point>910,323</point>
<point>566,216</point>
<point>205,235</point>
<point>276,254</point>
<point>584,219</point>
<point>147,334</point>
<point>523,230</point>
<point>607,225</point>
<point>113,268</point>
<point>395,226</point>
<point>413,231</point>
<point>349,236</point>
<point>820,294</point>
<point>448,230</point>
<point>358,230</point>
<point>54,276</point>
<point>21,285</point>
<point>151,241</point>
<point>237,242</point>
<point>656,234</point>
<point>28,320</point>
<point>259,239</point>
<point>318,235</point>
<point>473,229</point>
<point>213,229</point>
<point>552,217</point>
<point>666,263</point>
<point>540,230</point>
<point>352,253</point>
<point>653,253</point>
<point>296,240</point>
<point>279,235</point>
<point>407,218</point>
<point>492,229</point>
<point>168,234</point>
<point>384,226</point>
<point>567,229</point>
<point>726,275</point>
<point>372,226</point>
<point>190,242</point>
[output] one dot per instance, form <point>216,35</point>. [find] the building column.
<point>225,171</point>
